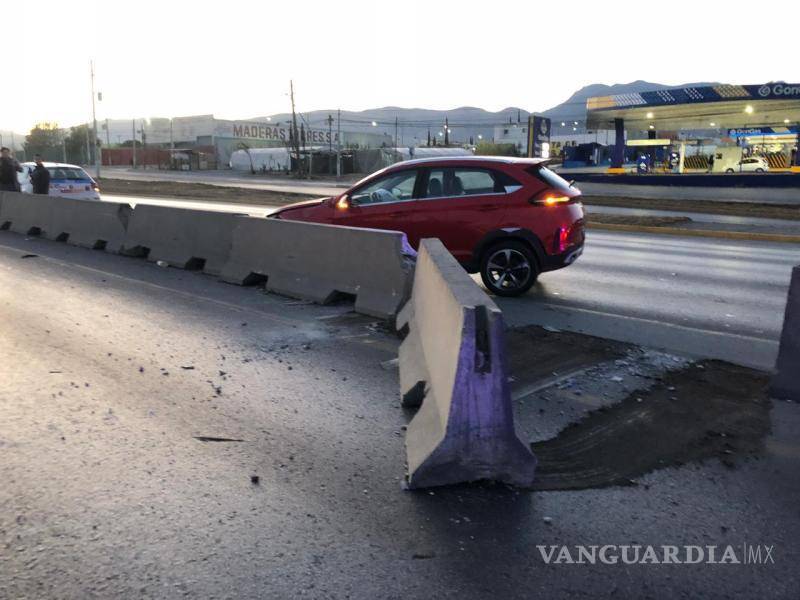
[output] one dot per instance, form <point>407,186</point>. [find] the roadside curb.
<point>710,233</point>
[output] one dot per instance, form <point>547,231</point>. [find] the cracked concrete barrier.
<point>785,383</point>
<point>318,262</point>
<point>85,223</point>
<point>453,363</point>
<point>184,238</point>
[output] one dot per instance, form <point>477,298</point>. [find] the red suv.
<point>507,218</point>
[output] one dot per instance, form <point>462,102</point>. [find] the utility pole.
<point>108,135</point>
<point>94,124</point>
<point>330,139</point>
<point>88,147</point>
<point>144,148</point>
<point>395,133</point>
<point>64,149</point>
<point>172,148</point>
<point>338,143</point>
<point>134,143</point>
<point>446,133</point>
<point>295,133</point>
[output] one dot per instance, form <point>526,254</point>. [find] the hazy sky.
<point>235,58</point>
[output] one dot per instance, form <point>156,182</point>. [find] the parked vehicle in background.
<point>66,181</point>
<point>508,219</point>
<point>730,160</point>
<point>754,164</point>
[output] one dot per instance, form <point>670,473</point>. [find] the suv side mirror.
<point>343,203</point>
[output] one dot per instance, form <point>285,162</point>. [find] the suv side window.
<point>457,182</point>
<point>395,187</point>
<point>472,182</point>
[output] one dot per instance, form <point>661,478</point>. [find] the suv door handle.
<point>488,208</point>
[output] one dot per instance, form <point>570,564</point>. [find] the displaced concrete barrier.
<point>453,363</point>
<point>189,239</point>
<point>24,213</point>
<point>318,262</point>
<point>86,223</point>
<point>785,383</point>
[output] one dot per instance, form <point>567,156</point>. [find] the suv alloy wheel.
<point>509,268</point>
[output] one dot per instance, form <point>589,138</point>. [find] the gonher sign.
<point>789,130</point>
<point>692,95</point>
<point>780,90</point>
<point>265,131</point>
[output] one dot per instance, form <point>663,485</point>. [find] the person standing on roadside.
<point>9,167</point>
<point>40,177</point>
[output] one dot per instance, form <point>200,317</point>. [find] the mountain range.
<point>467,121</point>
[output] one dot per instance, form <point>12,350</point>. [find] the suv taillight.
<point>566,237</point>
<point>550,198</point>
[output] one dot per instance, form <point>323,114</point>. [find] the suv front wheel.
<point>509,268</point>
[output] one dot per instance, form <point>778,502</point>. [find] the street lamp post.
<point>94,125</point>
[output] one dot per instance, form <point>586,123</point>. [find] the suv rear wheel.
<point>509,268</point>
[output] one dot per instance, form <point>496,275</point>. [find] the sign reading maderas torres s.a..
<point>277,133</point>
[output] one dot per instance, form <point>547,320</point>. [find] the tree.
<point>76,145</point>
<point>44,139</point>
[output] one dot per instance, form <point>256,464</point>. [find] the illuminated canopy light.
<point>748,109</point>
<point>649,115</point>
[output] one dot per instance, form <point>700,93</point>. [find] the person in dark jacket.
<point>40,177</point>
<point>9,167</point>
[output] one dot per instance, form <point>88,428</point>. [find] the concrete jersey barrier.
<point>181,237</point>
<point>785,383</point>
<point>316,262</point>
<point>86,223</point>
<point>453,363</point>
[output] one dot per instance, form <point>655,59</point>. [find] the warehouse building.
<point>223,137</point>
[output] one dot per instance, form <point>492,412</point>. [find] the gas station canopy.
<point>776,105</point>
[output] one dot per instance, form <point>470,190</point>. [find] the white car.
<point>754,164</point>
<point>66,181</point>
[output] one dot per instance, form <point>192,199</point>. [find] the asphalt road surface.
<point>232,179</point>
<point>137,403</point>
<point>722,194</point>
<point>709,297</point>
<point>329,188</point>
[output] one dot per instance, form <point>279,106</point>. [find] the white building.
<point>512,133</point>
